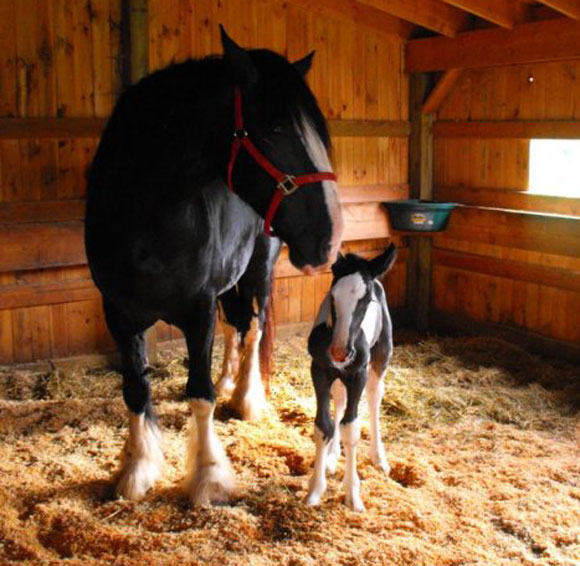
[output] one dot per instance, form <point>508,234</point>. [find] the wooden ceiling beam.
<point>500,12</point>
<point>431,14</point>
<point>549,40</point>
<point>440,91</point>
<point>361,13</point>
<point>570,8</point>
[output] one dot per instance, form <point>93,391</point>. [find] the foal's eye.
<point>278,130</point>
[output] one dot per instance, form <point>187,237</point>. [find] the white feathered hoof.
<point>251,407</point>
<point>210,484</point>
<point>141,460</point>
<point>225,386</point>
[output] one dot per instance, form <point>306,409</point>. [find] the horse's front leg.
<point>209,477</point>
<point>323,433</point>
<point>141,458</point>
<point>350,434</point>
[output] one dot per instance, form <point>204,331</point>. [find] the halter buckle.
<point>288,185</point>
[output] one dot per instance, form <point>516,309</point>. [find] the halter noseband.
<point>286,183</point>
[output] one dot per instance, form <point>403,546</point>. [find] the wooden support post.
<point>421,186</point>
<point>135,45</point>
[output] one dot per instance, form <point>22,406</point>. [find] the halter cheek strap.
<point>286,184</point>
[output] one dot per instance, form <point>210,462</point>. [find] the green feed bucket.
<point>416,215</point>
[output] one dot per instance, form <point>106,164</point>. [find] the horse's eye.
<point>278,130</point>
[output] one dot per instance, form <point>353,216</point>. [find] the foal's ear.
<point>334,266</point>
<point>382,263</point>
<point>244,72</point>
<point>303,65</point>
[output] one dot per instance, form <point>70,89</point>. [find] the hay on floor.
<point>482,438</point>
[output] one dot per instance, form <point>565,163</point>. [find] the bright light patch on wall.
<point>555,167</point>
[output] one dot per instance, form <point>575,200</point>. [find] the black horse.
<point>198,164</point>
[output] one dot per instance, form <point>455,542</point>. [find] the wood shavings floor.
<point>482,439</point>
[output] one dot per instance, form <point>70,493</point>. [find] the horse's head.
<point>350,295</point>
<point>278,116</point>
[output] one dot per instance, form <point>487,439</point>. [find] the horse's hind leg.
<point>231,362</point>
<point>209,477</point>
<point>254,290</point>
<point>142,458</point>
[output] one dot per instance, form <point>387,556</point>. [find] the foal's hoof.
<point>212,483</point>
<point>379,460</point>
<point>354,503</point>
<point>250,408</point>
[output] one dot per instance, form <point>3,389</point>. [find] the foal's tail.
<point>267,341</point>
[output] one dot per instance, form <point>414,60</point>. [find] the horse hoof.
<point>210,484</point>
<point>250,408</point>
<point>137,478</point>
<point>380,462</point>
<point>312,499</point>
<point>355,504</point>
<point>225,386</point>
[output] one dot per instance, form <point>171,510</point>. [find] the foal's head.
<point>350,295</point>
<point>282,118</point>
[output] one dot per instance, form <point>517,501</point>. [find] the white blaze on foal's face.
<point>346,294</point>
<point>319,156</point>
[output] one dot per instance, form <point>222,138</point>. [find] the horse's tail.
<point>268,337</point>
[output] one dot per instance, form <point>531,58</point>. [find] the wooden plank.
<point>360,14</point>
<point>366,193</point>
<point>364,221</point>
<point>18,296</point>
<point>516,129</point>
<point>42,128</point>
<point>458,322</point>
<point>41,211</point>
<point>558,235</point>
<point>135,16</point>
<point>550,40</point>
<point>505,198</point>
<point>369,128</point>
<point>441,90</point>
<point>430,14</point>
<point>500,12</point>
<point>570,8</point>
<point>36,246</point>
<point>521,271</point>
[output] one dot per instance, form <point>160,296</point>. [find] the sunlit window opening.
<point>555,167</point>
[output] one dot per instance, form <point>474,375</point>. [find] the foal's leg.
<point>209,476</point>
<point>338,392</point>
<point>375,391</point>
<point>142,458</point>
<point>350,434</point>
<point>323,433</point>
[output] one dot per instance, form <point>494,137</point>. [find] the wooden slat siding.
<point>50,128</point>
<point>20,296</point>
<point>521,271</point>
<point>550,40</point>
<point>507,198</point>
<point>359,13</point>
<point>33,246</point>
<point>549,129</point>
<point>570,8</point>
<point>430,14</point>
<point>500,12</point>
<point>456,322</point>
<point>41,211</point>
<point>527,231</point>
<point>369,128</point>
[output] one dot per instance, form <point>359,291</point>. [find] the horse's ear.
<point>382,263</point>
<point>244,72</point>
<point>303,65</point>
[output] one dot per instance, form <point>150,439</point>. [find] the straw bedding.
<point>482,439</point>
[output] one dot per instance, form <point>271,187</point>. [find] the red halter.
<point>286,184</point>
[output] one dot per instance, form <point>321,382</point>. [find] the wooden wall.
<point>518,266</point>
<point>58,59</point>
<point>60,72</point>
